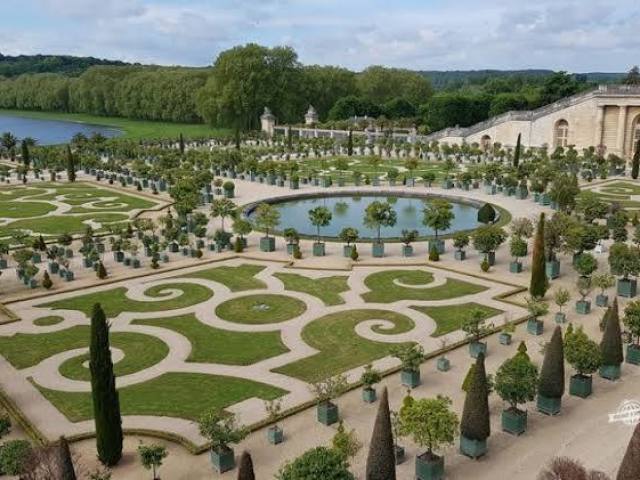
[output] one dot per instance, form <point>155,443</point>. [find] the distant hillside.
<point>63,64</point>
<point>454,79</point>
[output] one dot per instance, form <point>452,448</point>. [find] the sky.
<point>571,35</point>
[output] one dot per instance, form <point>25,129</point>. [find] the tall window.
<point>636,134</point>
<point>562,133</point>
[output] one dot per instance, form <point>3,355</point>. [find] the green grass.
<point>11,193</point>
<point>327,289</point>
<point>48,321</point>
<point>133,129</point>
<point>450,318</point>
<point>140,352</point>
<point>25,350</point>
<point>182,395</point>
<point>384,290</point>
<point>213,345</point>
<point>24,209</point>
<point>59,224</point>
<point>237,279</point>
<point>340,347</point>
<point>114,301</point>
<point>260,309</point>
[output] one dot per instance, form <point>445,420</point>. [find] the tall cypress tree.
<point>245,471</point>
<point>539,282</point>
<point>67,471</point>
<point>551,384</point>
<point>381,462</point>
<point>635,163</point>
<point>476,423</point>
<point>181,144</point>
<point>350,143</point>
<point>106,403</point>
<point>611,344</point>
<point>71,165</point>
<point>630,466</point>
<point>516,154</point>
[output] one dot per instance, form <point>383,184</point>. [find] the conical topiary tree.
<point>381,461</point>
<point>67,471</point>
<point>635,164</point>
<point>516,153</point>
<point>486,214</point>
<point>539,282</point>
<point>106,403</point>
<point>245,471</point>
<point>630,466</point>
<point>551,385</point>
<point>475,426</point>
<point>611,344</point>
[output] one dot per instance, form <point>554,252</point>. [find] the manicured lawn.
<point>341,348</point>
<point>25,350</point>
<point>140,352</point>
<point>183,395</point>
<point>11,193</point>
<point>327,289</point>
<point>384,288</point>
<point>79,194</point>
<point>59,224</point>
<point>115,301</point>
<point>48,321</point>
<point>24,209</point>
<point>450,318</point>
<point>260,309</point>
<point>213,345</point>
<point>133,129</point>
<point>236,279</point>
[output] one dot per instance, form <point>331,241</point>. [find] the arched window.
<point>561,134</point>
<point>485,143</point>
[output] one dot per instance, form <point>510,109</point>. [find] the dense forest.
<point>12,66</point>
<point>245,79</point>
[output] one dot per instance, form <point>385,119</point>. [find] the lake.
<point>51,132</point>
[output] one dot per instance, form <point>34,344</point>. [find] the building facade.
<point>607,118</point>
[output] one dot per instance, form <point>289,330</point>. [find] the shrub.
<point>486,214</point>
<point>13,456</point>
<point>354,254</point>
<point>319,462</point>
<point>345,442</point>
<point>516,380</point>
<point>434,256</point>
<point>47,283</point>
<point>5,423</point>
<point>485,266</point>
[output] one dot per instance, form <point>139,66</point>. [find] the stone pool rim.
<point>502,219</point>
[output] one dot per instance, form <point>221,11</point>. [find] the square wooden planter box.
<point>399,454</point>
<point>377,250</point>
<point>275,435</point>
<point>583,307</point>
<point>327,413</point>
<point>552,269</point>
<point>223,461</point>
<point>346,251</point>
<point>627,287</point>
<point>610,372</point>
<point>602,300</point>
<point>410,378</point>
<point>515,267</point>
<point>267,244</point>
<point>429,468</point>
<point>318,249</point>
<point>460,255</point>
<point>504,338</point>
<point>439,244</point>
<point>560,318</point>
<point>514,421</point>
<point>443,364</point>
<point>472,448</point>
<point>407,251</point>
<point>548,405</point>
<point>535,326</point>
<point>580,386</point>
<point>633,354</point>
<point>369,395</point>
<point>475,348</point>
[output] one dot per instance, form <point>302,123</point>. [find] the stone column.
<point>622,124</point>
<point>599,130</point>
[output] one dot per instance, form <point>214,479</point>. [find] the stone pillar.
<point>599,130</point>
<point>268,122</point>
<point>622,126</point>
